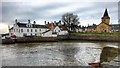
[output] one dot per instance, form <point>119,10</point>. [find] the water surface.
<point>52,53</point>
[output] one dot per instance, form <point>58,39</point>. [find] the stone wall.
<point>36,39</point>
<point>94,37</point>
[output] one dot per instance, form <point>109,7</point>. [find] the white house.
<point>57,29</point>
<point>49,33</point>
<point>60,31</point>
<point>27,29</point>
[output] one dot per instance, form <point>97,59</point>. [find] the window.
<point>21,30</point>
<point>31,30</point>
<point>14,30</point>
<point>40,29</point>
<point>24,34</point>
<point>30,25</point>
<point>17,30</point>
<point>27,30</point>
<point>35,30</point>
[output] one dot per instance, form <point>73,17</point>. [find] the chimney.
<point>34,22</point>
<point>48,22</point>
<point>8,27</point>
<point>60,22</point>
<point>28,21</point>
<point>54,21</point>
<point>15,20</point>
<point>45,23</point>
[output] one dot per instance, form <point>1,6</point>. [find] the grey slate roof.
<point>93,26</point>
<point>33,25</point>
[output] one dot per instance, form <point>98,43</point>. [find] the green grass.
<point>100,33</point>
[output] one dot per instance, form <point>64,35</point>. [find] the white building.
<point>27,29</point>
<point>60,31</point>
<point>57,29</point>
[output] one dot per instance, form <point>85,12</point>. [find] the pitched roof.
<point>21,24</point>
<point>104,23</point>
<point>93,26</point>
<point>45,31</point>
<point>33,25</point>
<point>11,28</point>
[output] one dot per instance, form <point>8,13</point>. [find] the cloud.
<point>3,28</point>
<point>88,12</point>
<point>13,10</point>
<point>59,1</point>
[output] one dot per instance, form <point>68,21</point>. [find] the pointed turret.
<point>105,18</point>
<point>106,13</point>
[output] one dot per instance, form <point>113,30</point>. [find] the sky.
<point>89,12</point>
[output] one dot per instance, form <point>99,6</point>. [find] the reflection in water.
<point>69,51</point>
<point>89,53</point>
<point>52,53</point>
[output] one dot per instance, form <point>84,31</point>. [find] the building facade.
<point>91,28</point>
<point>104,25</point>
<point>115,27</point>
<point>27,29</point>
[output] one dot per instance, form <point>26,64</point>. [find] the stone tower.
<point>105,18</point>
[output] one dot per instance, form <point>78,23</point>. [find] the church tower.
<point>105,18</point>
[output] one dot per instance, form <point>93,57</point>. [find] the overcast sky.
<point>52,10</point>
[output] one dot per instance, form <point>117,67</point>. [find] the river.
<point>52,53</point>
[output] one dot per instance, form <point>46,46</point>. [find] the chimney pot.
<point>28,21</point>
<point>15,20</point>
<point>34,22</point>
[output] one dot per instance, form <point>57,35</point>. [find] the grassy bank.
<point>95,36</point>
<point>97,33</point>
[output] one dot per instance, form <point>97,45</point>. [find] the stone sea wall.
<point>92,37</point>
<point>36,39</point>
<point>85,37</point>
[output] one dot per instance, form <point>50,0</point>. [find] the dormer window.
<point>29,25</point>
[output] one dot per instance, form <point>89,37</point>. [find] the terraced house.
<point>27,29</point>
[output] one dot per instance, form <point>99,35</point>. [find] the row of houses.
<point>53,29</point>
<point>32,29</point>
<point>93,28</point>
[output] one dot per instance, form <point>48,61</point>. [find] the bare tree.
<point>70,21</point>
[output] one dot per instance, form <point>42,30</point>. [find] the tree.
<point>71,21</point>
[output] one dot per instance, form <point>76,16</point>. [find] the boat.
<point>8,39</point>
<point>95,64</point>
